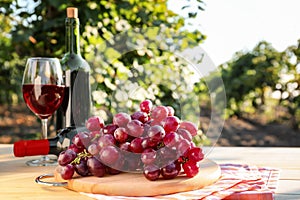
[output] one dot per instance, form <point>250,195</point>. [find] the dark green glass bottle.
<point>75,109</point>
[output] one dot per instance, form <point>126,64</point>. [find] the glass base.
<point>43,161</point>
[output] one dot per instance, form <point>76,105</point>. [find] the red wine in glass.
<point>43,100</point>
<point>43,92</point>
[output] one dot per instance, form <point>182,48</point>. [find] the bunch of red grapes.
<point>152,140</point>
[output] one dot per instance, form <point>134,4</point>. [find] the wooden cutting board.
<point>133,184</point>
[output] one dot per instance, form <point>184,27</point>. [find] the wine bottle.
<point>75,109</point>
<point>46,146</point>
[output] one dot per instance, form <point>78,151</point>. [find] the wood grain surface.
<point>17,179</point>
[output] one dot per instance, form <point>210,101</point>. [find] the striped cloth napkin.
<point>238,181</point>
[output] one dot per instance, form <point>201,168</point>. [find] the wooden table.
<point>17,179</point>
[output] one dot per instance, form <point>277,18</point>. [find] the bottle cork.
<point>72,12</point>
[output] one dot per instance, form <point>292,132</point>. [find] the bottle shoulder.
<point>74,61</point>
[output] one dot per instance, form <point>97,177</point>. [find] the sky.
<point>235,25</point>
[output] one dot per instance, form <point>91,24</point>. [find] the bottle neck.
<point>72,36</point>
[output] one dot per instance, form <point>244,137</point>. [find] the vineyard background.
<point>133,44</point>
<point>17,123</point>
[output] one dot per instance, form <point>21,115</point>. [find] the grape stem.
<point>183,159</point>
<point>95,138</point>
<point>81,155</point>
<point>160,145</point>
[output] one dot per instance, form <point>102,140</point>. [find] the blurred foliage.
<point>255,79</point>
<point>249,74</point>
<point>131,46</point>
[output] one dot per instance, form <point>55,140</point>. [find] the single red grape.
<point>146,106</point>
<point>81,168</point>
<point>93,148</point>
<point>156,133</point>
<point>109,129</point>
<point>94,123</point>
<point>185,134</point>
<point>136,145</point>
<point>171,139</point>
<point>170,171</point>
<point>95,167</point>
<point>141,116</point>
<point>121,119</point>
<point>67,171</point>
<point>109,155</point>
<point>74,148</point>
<point>148,143</point>
<point>190,168</point>
<point>148,156</point>
<point>82,139</point>
<point>121,134</point>
<point>159,113</point>
<point>190,126</point>
<point>136,128</point>
<point>151,172</point>
<point>66,157</point>
<point>195,154</point>
<point>171,123</point>
<point>106,140</point>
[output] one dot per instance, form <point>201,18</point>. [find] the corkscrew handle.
<point>43,176</point>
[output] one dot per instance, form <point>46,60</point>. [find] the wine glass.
<point>43,92</point>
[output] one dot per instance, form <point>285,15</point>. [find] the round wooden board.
<point>133,184</point>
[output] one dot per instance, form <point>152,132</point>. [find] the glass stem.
<point>44,128</point>
<point>44,136</point>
